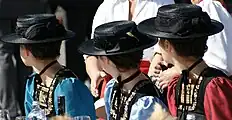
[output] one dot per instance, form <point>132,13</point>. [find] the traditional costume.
<point>116,38</point>
<point>209,97</point>
<point>44,28</point>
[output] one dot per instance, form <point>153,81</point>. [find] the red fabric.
<point>171,96</point>
<point>101,119</point>
<point>144,66</point>
<point>106,80</point>
<point>217,99</point>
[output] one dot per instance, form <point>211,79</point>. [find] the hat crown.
<point>182,19</point>
<point>35,19</point>
<point>116,35</point>
<point>113,29</point>
<point>115,38</point>
<point>39,27</point>
<point>180,10</point>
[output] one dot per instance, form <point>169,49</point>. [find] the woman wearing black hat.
<point>39,37</point>
<point>200,92</point>
<point>118,47</point>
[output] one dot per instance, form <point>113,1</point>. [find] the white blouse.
<point>219,53</point>
<point>115,10</point>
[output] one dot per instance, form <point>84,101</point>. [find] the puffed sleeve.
<point>78,99</point>
<point>29,92</point>
<point>218,99</point>
<point>144,107</point>
<point>107,96</point>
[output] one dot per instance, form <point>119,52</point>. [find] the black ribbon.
<point>116,43</point>
<point>40,31</point>
<point>38,78</point>
<point>119,90</point>
<point>185,80</point>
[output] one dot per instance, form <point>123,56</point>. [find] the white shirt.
<point>115,10</point>
<point>219,54</point>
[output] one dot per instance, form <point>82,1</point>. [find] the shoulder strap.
<point>63,73</point>
<point>59,77</point>
<point>208,75</point>
<point>177,91</point>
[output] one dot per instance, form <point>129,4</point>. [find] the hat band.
<point>115,44</point>
<point>40,31</point>
<point>183,26</point>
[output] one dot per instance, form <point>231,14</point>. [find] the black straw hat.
<point>180,21</point>
<point>115,38</point>
<point>38,28</point>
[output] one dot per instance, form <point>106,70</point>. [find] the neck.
<point>127,74</point>
<point>39,65</point>
<point>185,64</point>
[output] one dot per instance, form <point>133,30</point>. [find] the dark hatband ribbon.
<point>184,79</point>
<point>120,86</point>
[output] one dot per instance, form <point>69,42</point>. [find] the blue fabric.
<point>78,99</point>
<point>141,110</point>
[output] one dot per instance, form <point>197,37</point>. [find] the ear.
<point>25,51</point>
<point>167,46</point>
<point>104,59</point>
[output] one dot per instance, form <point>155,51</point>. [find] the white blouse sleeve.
<point>99,18</point>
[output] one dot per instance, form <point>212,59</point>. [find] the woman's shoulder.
<point>220,82</point>
<point>144,107</point>
<point>30,80</point>
<point>66,77</point>
<point>72,83</point>
<point>109,88</point>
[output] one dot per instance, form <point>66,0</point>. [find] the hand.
<point>166,76</point>
<point>96,75</point>
<point>154,68</point>
<point>156,73</point>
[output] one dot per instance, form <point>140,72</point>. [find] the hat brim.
<point>148,27</point>
<point>17,39</point>
<point>88,48</point>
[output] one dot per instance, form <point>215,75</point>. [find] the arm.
<point>157,57</point>
<point>218,107</point>
<point>94,71</point>
<point>92,67</point>
<point>78,99</point>
<point>162,77</point>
